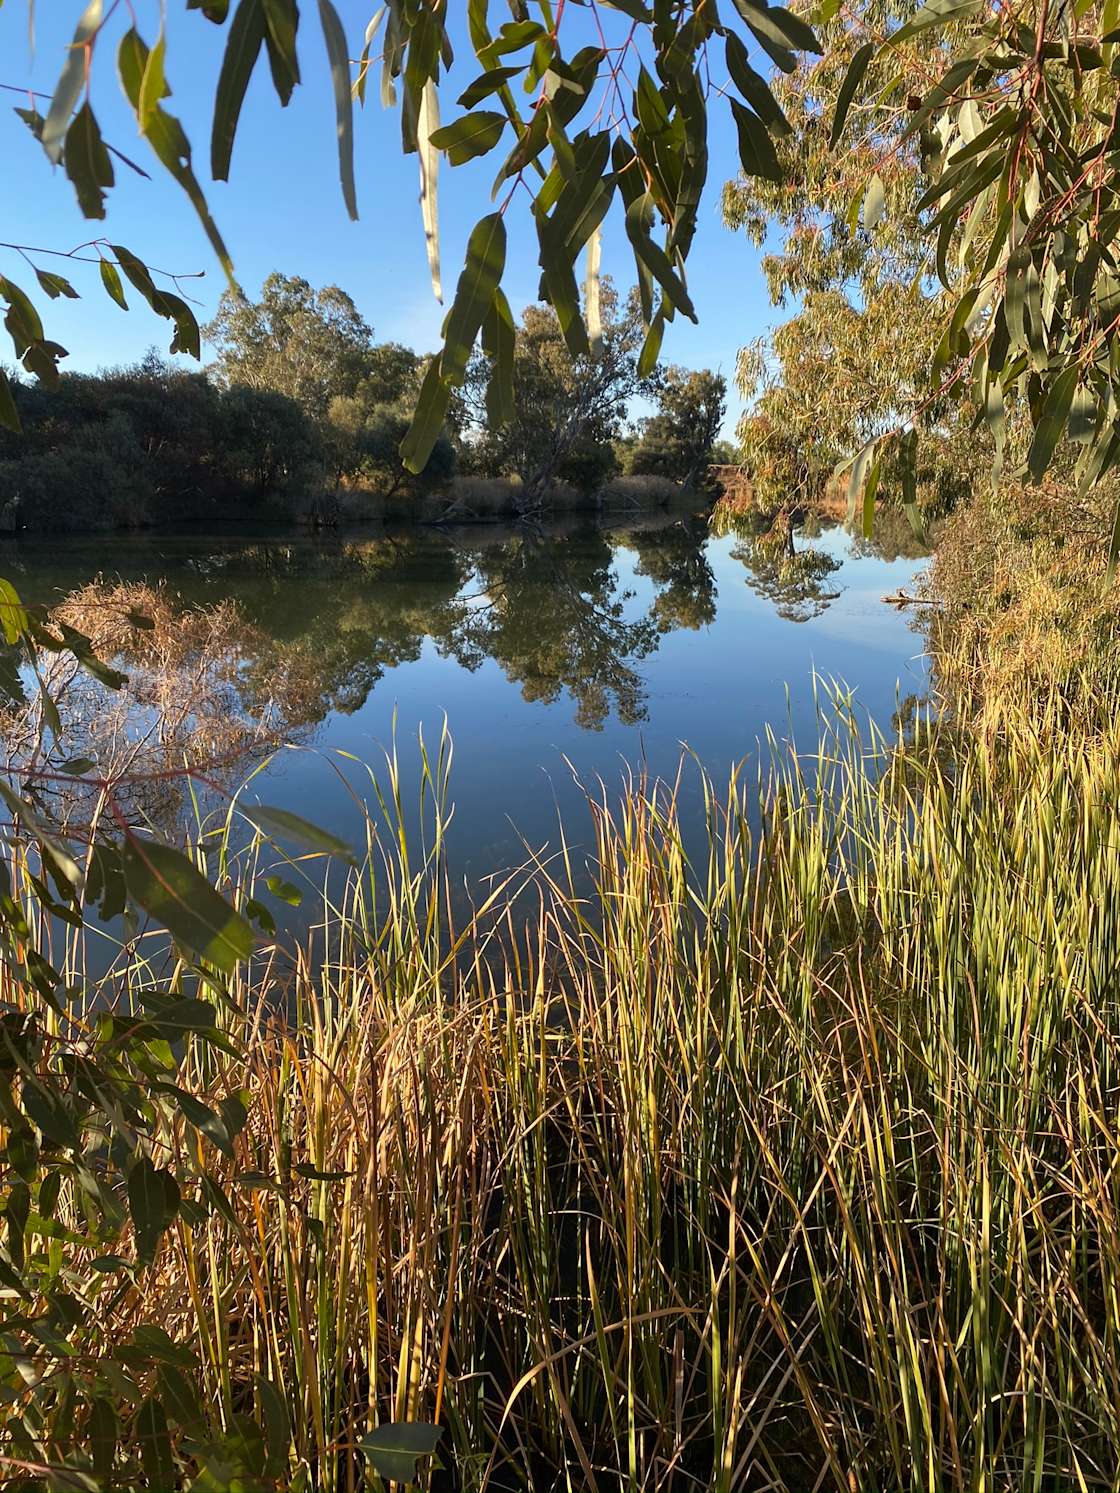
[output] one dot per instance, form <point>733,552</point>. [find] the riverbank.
<point>152,447</point>
<point>465,500</point>
<point>1029,610</point>
<point>496,500</point>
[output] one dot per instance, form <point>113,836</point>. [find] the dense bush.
<point>588,466</point>
<point>365,447</point>
<point>679,440</point>
<point>1024,607</point>
<point>149,445</point>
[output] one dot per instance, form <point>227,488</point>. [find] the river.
<point>558,654</point>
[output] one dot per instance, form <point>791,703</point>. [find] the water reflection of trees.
<point>252,644</point>
<point>551,613</point>
<point>784,566</point>
<point>893,539</point>
<point>309,628</point>
<point>780,567</point>
<point>337,617</point>
<point>673,557</point>
<point>548,608</point>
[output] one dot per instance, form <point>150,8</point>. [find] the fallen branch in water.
<point>903,599</point>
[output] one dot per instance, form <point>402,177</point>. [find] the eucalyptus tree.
<point>565,408</point>
<point>312,345</point>
<point>1003,122</point>
<point>679,439</point>
<point>854,359</point>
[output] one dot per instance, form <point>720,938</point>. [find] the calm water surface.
<point>554,652</point>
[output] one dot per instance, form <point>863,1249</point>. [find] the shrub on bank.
<point>91,476</point>
<point>1026,610</point>
<point>151,445</point>
<point>646,490</point>
<point>492,497</point>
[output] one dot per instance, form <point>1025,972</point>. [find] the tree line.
<point>301,404</point>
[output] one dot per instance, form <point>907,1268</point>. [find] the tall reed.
<point>789,1165</point>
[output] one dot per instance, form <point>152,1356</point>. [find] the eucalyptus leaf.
<point>155,1444</point>
<point>243,45</point>
<point>288,826</point>
<point>172,890</point>
<point>471,135</point>
<point>338,54</point>
<point>756,149</point>
<point>474,295</point>
<point>852,79</point>
<point>427,127</point>
<point>153,1202</point>
<point>68,90</point>
<point>395,1449</point>
<point>87,163</point>
<point>874,203</point>
<point>427,419</point>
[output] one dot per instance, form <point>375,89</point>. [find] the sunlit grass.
<point>793,1165</point>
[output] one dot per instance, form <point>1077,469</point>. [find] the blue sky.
<point>282,208</point>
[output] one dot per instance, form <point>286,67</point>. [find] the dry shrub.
<point>473,496</point>
<point>1027,611</point>
<point>644,491</point>
<point>183,702</point>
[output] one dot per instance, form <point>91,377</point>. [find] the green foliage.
<point>986,141</point>
<point>833,379</point>
<point>855,359</point>
<point>272,447</point>
<point>150,445</point>
<point>92,1177</point>
<point>373,450</point>
<point>998,176</point>
<point>679,440</point>
<point>396,1449</point>
<point>310,345</point>
<point>366,426</point>
<point>564,409</point>
<point>587,466</point>
<point>313,347</point>
<point>1023,170</point>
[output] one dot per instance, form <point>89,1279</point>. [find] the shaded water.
<point>565,650</point>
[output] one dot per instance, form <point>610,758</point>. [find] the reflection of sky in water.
<point>716,686</point>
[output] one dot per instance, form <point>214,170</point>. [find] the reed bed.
<point>792,1164</point>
